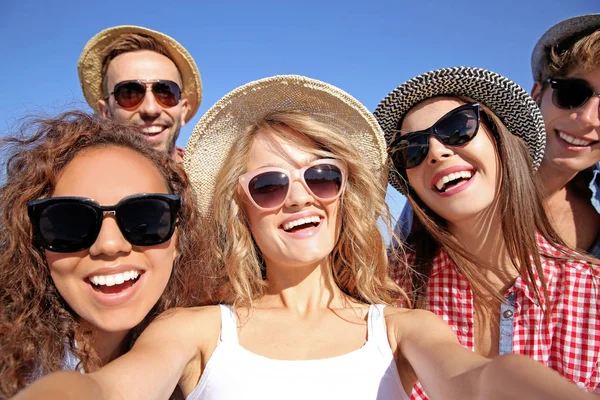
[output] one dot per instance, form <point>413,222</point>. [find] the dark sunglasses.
<point>130,94</point>
<point>70,224</point>
<point>269,187</point>
<point>570,93</point>
<point>456,128</point>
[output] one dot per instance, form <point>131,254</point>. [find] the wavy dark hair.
<point>521,220</point>
<point>36,325</point>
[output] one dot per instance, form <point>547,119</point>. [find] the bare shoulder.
<point>193,326</point>
<point>403,322</point>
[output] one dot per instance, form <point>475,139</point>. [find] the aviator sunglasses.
<point>570,93</point>
<point>70,224</point>
<point>269,187</point>
<point>456,128</point>
<point>130,94</point>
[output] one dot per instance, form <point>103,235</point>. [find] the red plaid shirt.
<point>569,344</point>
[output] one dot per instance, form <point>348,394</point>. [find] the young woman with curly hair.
<point>297,168</point>
<point>99,233</point>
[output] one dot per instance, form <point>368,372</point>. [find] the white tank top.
<point>234,373</point>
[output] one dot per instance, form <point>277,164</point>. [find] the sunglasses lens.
<point>130,94</point>
<point>146,222</point>
<point>457,129</point>
<point>410,151</point>
<point>569,94</point>
<point>68,227</point>
<point>324,180</point>
<point>166,93</point>
<point>269,189</point>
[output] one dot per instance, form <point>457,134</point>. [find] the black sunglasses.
<point>130,94</point>
<point>456,128</point>
<point>70,224</point>
<point>570,93</point>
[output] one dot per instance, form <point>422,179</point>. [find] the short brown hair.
<point>579,53</point>
<point>127,43</point>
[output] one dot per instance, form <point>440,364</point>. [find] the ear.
<point>175,250</point>
<point>103,108</point>
<point>185,107</point>
<point>536,90</point>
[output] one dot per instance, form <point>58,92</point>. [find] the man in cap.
<point>566,70</point>
<point>143,77</point>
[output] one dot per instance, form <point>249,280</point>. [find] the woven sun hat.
<point>565,33</point>
<point>89,66</point>
<point>209,145</point>
<point>511,103</point>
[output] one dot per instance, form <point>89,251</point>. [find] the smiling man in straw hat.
<point>566,70</point>
<point>143,77</point>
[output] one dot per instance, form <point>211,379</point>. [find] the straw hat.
<point>572,28</point>
<point>513,105</point>
<point>208,148</point>
<point>89,66</point>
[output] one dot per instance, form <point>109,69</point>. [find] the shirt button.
<point>581,384</point>
<point>507,314</point>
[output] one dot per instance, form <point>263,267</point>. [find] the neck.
<point>555,179</point>
<point>302,289</point>
<point>108,345</point>
<point>482,235</point>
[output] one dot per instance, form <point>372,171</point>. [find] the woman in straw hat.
<point>89,250</point>
<point>300,272</point>
<point>462,143</point>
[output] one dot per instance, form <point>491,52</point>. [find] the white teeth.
<point>301,221</point>
<point>452,177</point>
<point>573,140</point>
<point>115,279</point>
<point>152,129</point>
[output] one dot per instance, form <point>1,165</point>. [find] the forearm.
<point>65,385</point>
<point>514,376</point>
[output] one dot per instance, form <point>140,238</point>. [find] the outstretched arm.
<point>150,370</point>
<point>447,370</point>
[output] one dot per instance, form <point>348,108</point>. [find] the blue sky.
<point>366,48</point>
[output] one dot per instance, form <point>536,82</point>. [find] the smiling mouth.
<point>113,284</point>
<point>577,142</point>
<point>300,224</point>
<point>452,180</point>
<point>153,130</point>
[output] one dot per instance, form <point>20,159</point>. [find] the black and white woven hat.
<point>511,103</point>
<point>558,35</point>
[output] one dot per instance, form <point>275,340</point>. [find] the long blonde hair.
<point>358,260</point>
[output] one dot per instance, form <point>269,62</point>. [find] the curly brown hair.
<point>36,325</point>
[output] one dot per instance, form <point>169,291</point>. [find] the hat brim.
<point>213,136</point>
<point>513,105</point>
<point>581,25</point>
<point>89,66</point>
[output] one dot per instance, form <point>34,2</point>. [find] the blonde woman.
<point>292,172</point>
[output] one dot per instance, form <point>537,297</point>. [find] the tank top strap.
<point>376,328</point>
<point>228,324</point>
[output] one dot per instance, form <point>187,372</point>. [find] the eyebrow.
<point>280,165</point>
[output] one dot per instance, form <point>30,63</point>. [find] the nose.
<point>110,240</point>
<point>149,109</point>
<point>299,196</point>
<point>437,151</point>
<point>587,116</point>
